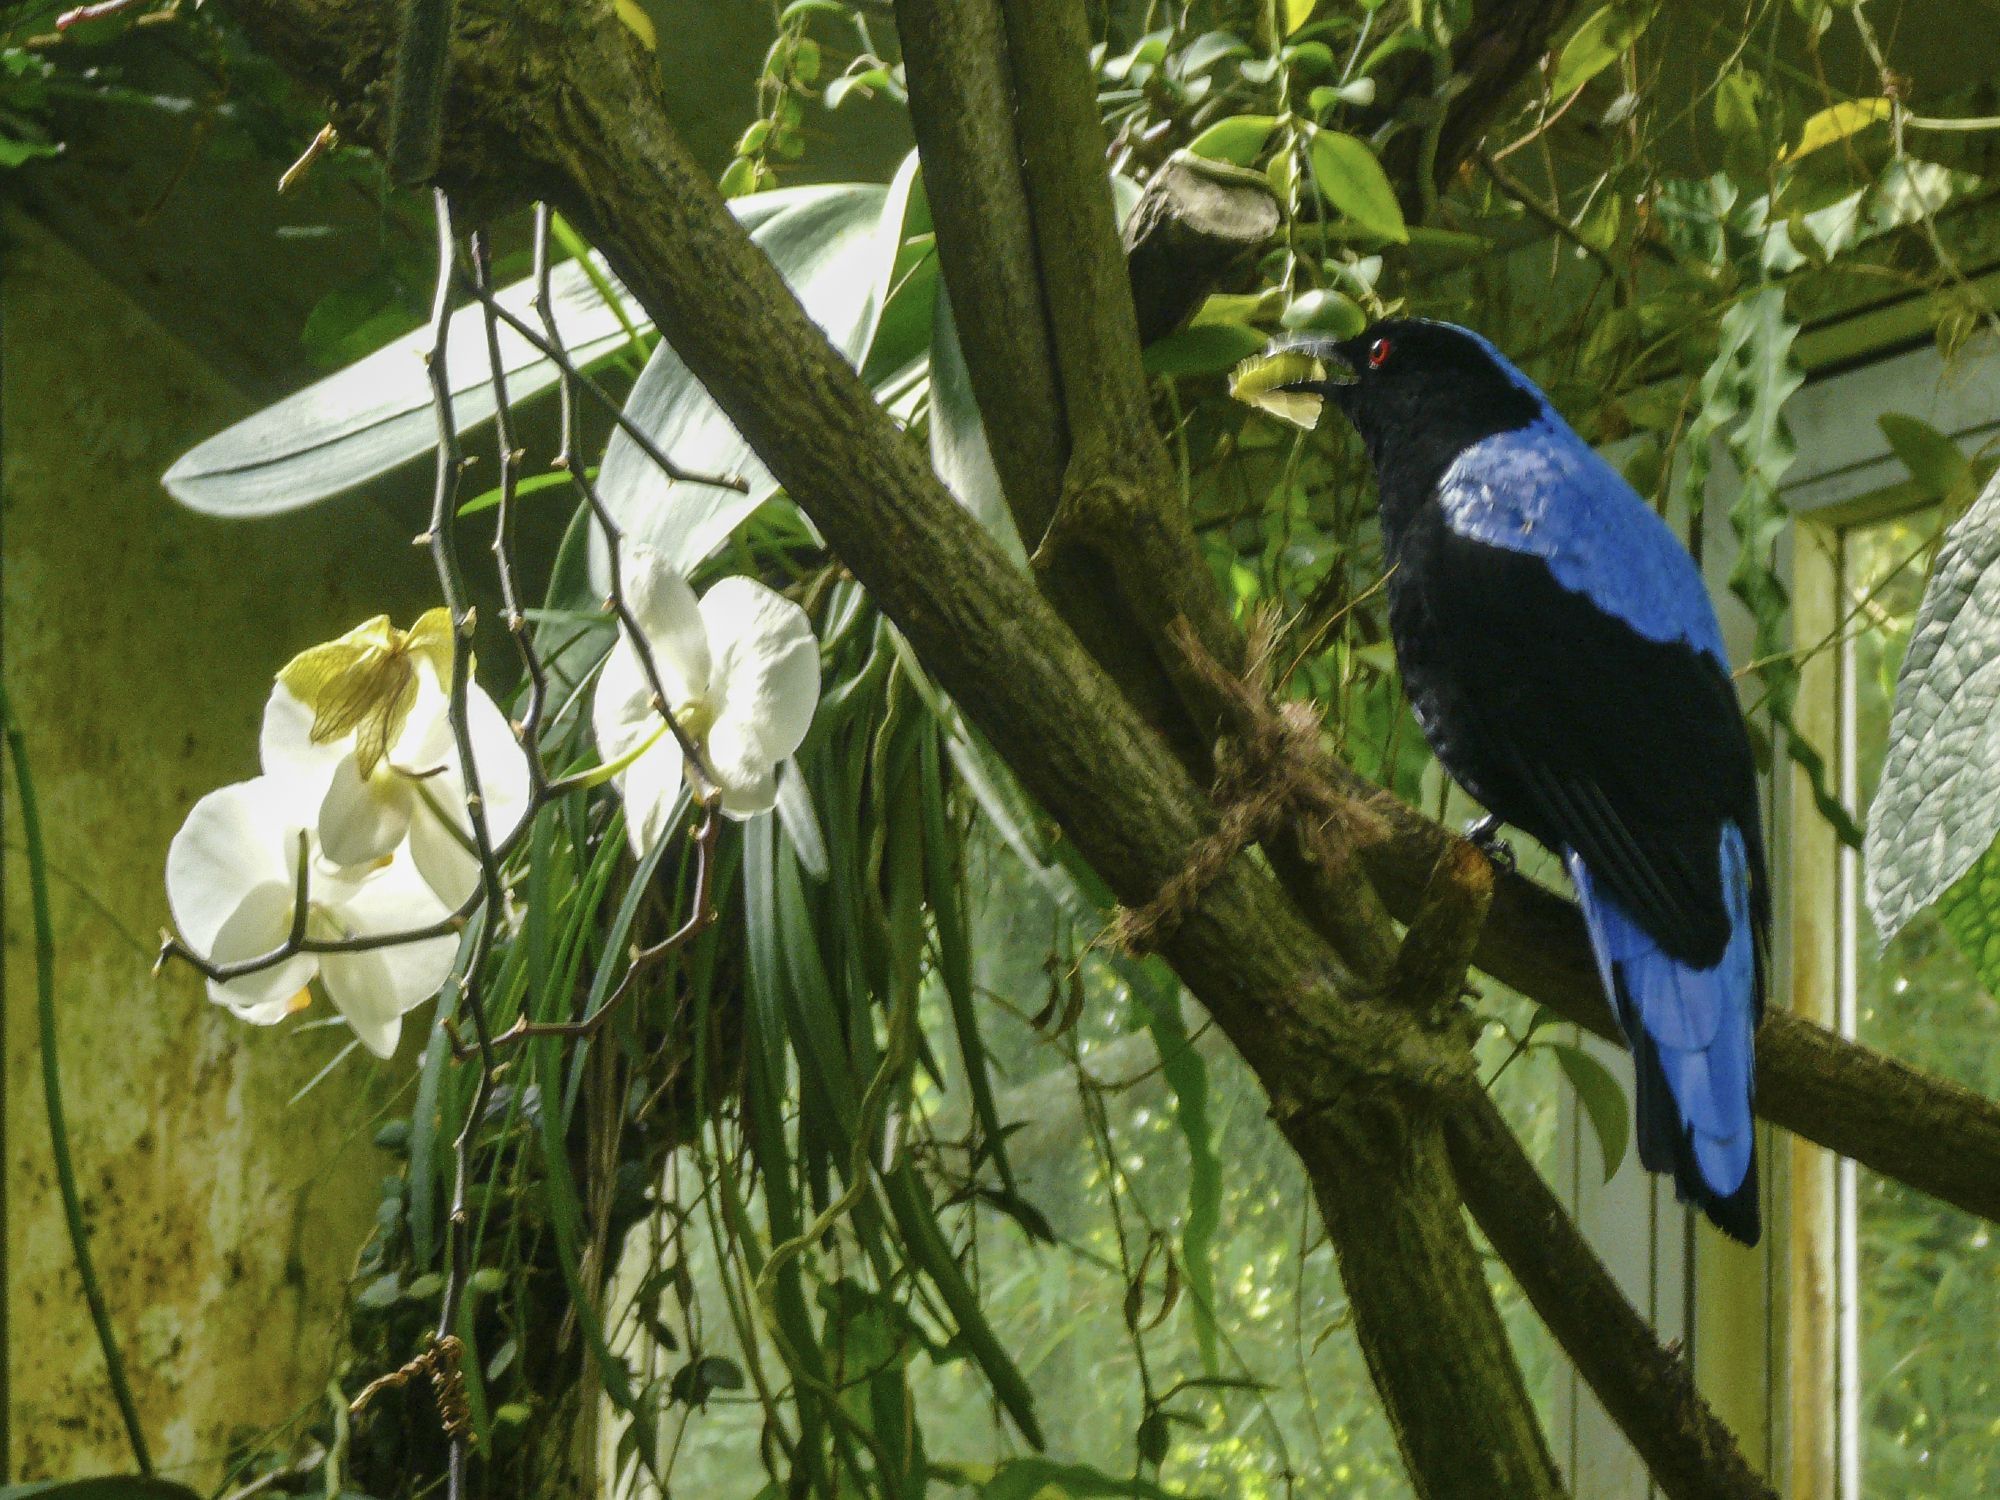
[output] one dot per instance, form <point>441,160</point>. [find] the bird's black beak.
<point>1294,378</point>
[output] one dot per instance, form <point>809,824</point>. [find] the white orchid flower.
<point>741,673</point>
<point>363,726</point>
<point>232,883</point>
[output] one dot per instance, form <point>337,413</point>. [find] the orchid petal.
<point>665,608</point>
<point>235,839</point>
<point>441,836</point>
<point>374,988</point>
<point>260,924</point>
<point>652,788</point>
<point>745,799</point>
<point>285,745</point>
<point>767,683</point>
<point>363,819</point>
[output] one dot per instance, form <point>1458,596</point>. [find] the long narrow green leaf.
<point>1186,1074</point>
<point>835,253</point>
<point>944,878</point>
<point>375,414</point>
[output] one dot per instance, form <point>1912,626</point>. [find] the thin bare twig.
<point>550,347</point>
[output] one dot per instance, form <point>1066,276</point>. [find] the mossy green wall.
<point>139,645</point>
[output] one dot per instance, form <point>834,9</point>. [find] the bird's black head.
<point>1418,392</point>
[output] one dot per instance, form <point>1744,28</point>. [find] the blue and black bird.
<point>1565,663</point>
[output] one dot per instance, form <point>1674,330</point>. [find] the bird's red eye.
<point>1378,354</point>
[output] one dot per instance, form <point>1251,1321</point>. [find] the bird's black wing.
<point>1587,734</point>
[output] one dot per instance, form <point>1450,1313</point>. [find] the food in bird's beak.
<point>1290,381</point>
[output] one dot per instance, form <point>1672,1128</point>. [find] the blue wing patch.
<point>1543,491</point>
<point>1699,1023</point>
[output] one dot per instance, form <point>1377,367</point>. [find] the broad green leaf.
<point>375,414</point>
<point>1936,465</point>
<point>1352,180</point>
<point>1325,311</point>
<point>1602,1099</point>
<point>1239,139</point>
<point>959,449</point>
<point>1596,44</point>
<point>1297,13</point>
<point>1937,812</point>
<point>1202,349</point>
<point>1835,123</point>
<point>837,253</point>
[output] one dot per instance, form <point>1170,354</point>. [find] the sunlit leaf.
<point>1202,349</point>
<point>1324,311</point>
<point>1297,13</point>
<point>1835,123</point>
<point>1596,44</point>
<point>375,414</point>
<point>837,252</point>
<point>959,449</point>
<point>1237,138</point>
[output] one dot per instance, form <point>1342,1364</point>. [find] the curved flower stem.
<point>529,728</point>
<point>705,785</point>
<point>550,346</point>
<point>45,1009</point>
<point>442,538</point>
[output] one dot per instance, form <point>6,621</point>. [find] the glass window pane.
<point>1927,1274</point>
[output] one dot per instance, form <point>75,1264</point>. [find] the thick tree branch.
<point>1649,1391</point>
<point>1851,1099</point>
<point>1196,220</point>
<point>961,103</point>
<point>1426,1320</point>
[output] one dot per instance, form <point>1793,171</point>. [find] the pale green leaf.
<point>1202,349</point>
<point>1596,44</point>
<point>837,253</point>
<point>1602,1099</point>
<point>375,414</point>
<point>1352,180</point>
<point>959,449</point>
<point>1325,311</point>
<point>1297,13</point>
<point>1935,463</point>
<point>1239,139</point>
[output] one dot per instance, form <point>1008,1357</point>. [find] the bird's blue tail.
<point>1690,1031</point>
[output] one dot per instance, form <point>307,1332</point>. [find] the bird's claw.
<point>1484,835</point>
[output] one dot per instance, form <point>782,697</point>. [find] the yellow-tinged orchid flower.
<point>365,683</point>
